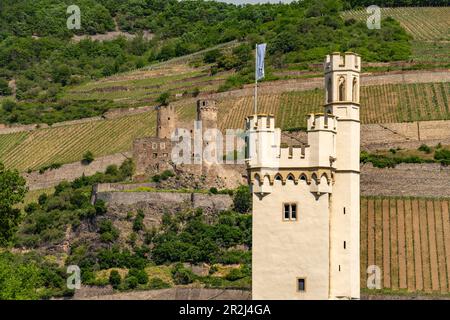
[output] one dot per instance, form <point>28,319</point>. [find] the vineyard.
<point>409,240</point>
<point>34,149</point>
<point>421,23</point>
<point>379,104</point>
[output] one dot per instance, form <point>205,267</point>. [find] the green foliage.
<point>5,90</point>
<point>12,192</point>
<point>164,99</point>
<point>242,199</point>
<point>115,279</point>
<point>187,237</point>
<point>139,274</point>
<point>49,167</point>
<point>443,156</point>
<point>182,275</point>
<point>424,148</point>
<point>382,161</point>
<point>238,273</point>
<point>88,157</point>
<point>157,283</point>
<point>25,277</point>
<point>108,233</point>
<point>47,220</point>
<point>138,223</point>
<point>300,32</point>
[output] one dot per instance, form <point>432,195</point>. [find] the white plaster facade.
<point>321,245</point>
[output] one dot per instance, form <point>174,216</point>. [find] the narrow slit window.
<point>345,245</point>
<point>286,212</point>
<point>301,284</point>
<point>294,212</point>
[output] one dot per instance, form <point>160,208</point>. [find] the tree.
<point>5,90</point>
<point>242,199</point>
<point>88,157</point>
<point>115,279</point>
<point>12,192</point>
<point>163,99</point>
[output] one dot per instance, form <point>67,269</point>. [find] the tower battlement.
<point>206,105</point>
<point>260,121</point>
<point>321,121</point>
<point>340,62</point>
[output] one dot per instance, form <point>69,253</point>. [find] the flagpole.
<point>256,79</point>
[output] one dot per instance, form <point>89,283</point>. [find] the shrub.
<point>443,156</point>
<point>138,223</point>
<point>424,148</point>
<point>156,178</point>
<point>115,279</point>
<point>182,275</point>
<point>242,200</point>
<point>213,190</point>
<point>131,282</point>
<point>88,157</point>
<point>167,174</point>
<point>139,274</point>
<point>164,99</point>
<point>157,283</point>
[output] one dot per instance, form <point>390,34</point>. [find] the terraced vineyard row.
<point>409,240</point>
<point>421,23</point>
<point>31,150</point>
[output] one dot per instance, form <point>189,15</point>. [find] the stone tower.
<point>306,199</point>
<point>207,126</point>
<point>166,120</point>
<point>342,94</point>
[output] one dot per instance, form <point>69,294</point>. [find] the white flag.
<point>260,53</point>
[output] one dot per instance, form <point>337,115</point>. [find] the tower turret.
<point>166,120</point>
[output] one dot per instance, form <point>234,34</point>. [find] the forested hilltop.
<point>36,50</point>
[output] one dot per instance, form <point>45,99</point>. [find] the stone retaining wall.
<point>215,202</point>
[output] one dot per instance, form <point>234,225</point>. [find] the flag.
<point>260,53</point>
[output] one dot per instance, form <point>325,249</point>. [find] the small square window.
<point>289,211</point>
<point>301,284</point>
<point>155,155</point>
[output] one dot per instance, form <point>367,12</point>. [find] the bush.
<point>164,99</point>
<point>157,283</point>
<point>182,275</point>
<point>115,279</point>
<point>138,223</point>
<point>131,282</point>
<point>88,157</point>
<point>140,275</point>
<point>213,190</point>
<point>424,148</point>
<point>242,200</point>
<point>443,156</point>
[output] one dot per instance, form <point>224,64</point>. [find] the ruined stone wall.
<point>215,202</point>
<point>71,171</point>
<point>173,294</point>
<point>151,154</point>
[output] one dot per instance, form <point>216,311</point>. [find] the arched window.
<point>341,89</point>
<point>278,177</point>
<point>290,177</point>
<point>355,90</point>
<point>303,177</point>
